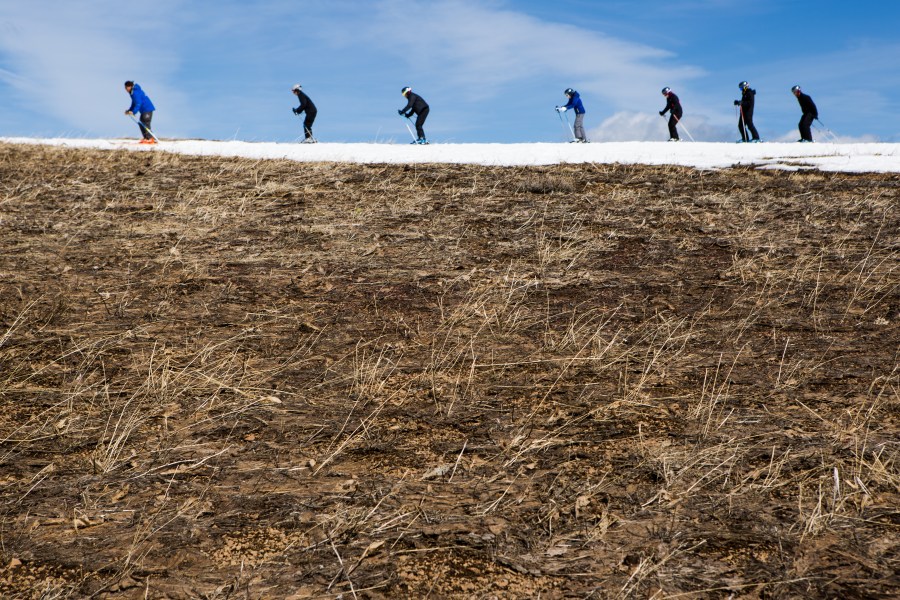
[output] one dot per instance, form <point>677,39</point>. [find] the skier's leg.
<point>420,123</point>
<point>748,119</point>
<point>146,118</point>
<point>308,123</point>
<point>673,130</point>
<point>579,127</point>
<point>753,131</point>
<point>804,126</point>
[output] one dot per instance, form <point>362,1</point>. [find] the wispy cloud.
<point>492,69</point>
<point>481,48</point>
<point>67,60</point>
<point>628,126</point>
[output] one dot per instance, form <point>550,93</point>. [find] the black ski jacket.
<point>414,105</point>
<point>305,104</point>
<point>673,104</point>
<point>807,105</point>
<point>747,100</point>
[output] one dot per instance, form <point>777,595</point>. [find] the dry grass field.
<point>225,378</point>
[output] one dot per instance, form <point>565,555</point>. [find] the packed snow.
<point>856,158</point>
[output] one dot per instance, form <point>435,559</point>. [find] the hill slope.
<point>228,377</point>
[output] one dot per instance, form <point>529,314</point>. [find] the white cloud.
<point>823,134</point>
<point>68,60</point>
<point>479,47</point>
<point>628,126</point>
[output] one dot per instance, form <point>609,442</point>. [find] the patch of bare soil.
<point>224,378</point>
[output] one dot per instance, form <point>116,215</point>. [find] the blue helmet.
<point>666,90</point>
<point>569,92</point>
<point>743,85</point>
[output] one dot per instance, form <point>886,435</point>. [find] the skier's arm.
<point>409,104</point>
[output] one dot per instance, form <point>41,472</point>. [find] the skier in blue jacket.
<point>575,104</point>
<point>140,103</point>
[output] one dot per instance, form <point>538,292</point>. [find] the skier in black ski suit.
<point>810,114</point>
<point>673,105</point>
<point>306,105</point>
<point>415,105</point>
<point>746,119</point>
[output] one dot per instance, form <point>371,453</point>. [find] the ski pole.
<point>825,129</point>
<point>677,120</point>
<point>745,133</point>
<point>572,131</point>
<point>408,128</point>
<point>563,125</point>
<point>142,126</point>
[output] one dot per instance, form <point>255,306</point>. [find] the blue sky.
<point>492,70</point>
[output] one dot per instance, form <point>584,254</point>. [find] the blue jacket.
<point>574,102</point>
<point>140,103</point>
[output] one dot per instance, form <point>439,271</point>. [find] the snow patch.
<point>853,158</point>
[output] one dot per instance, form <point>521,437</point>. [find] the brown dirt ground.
<point>225,378</point>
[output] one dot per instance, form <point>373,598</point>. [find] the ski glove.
<point>662,113</point>
<point>296,112</point>
<point>400,112</point>
<point>561,108</point>
<point>737,102</point>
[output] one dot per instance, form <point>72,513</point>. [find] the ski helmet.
<point>743,85</point>
<point>405,91</point>
<point>296,87</point>
<point>569,92</point>
<point>666,90</point>
<point>795,89</point>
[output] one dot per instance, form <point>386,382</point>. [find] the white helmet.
<point>296,87</point>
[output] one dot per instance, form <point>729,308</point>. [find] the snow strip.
<point>851,158</point>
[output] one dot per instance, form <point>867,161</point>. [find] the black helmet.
<point>405,90</point>
<point>666,90</point>
<point>795,89</point>
<point>743,85</point>
<point>569,92</point>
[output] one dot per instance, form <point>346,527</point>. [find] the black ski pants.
<point>806,122</point>
<point>420,123</point>
<point>746,123</point>
<point>673,121</point>
<point>308,123</point>
<point>146,117</point>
